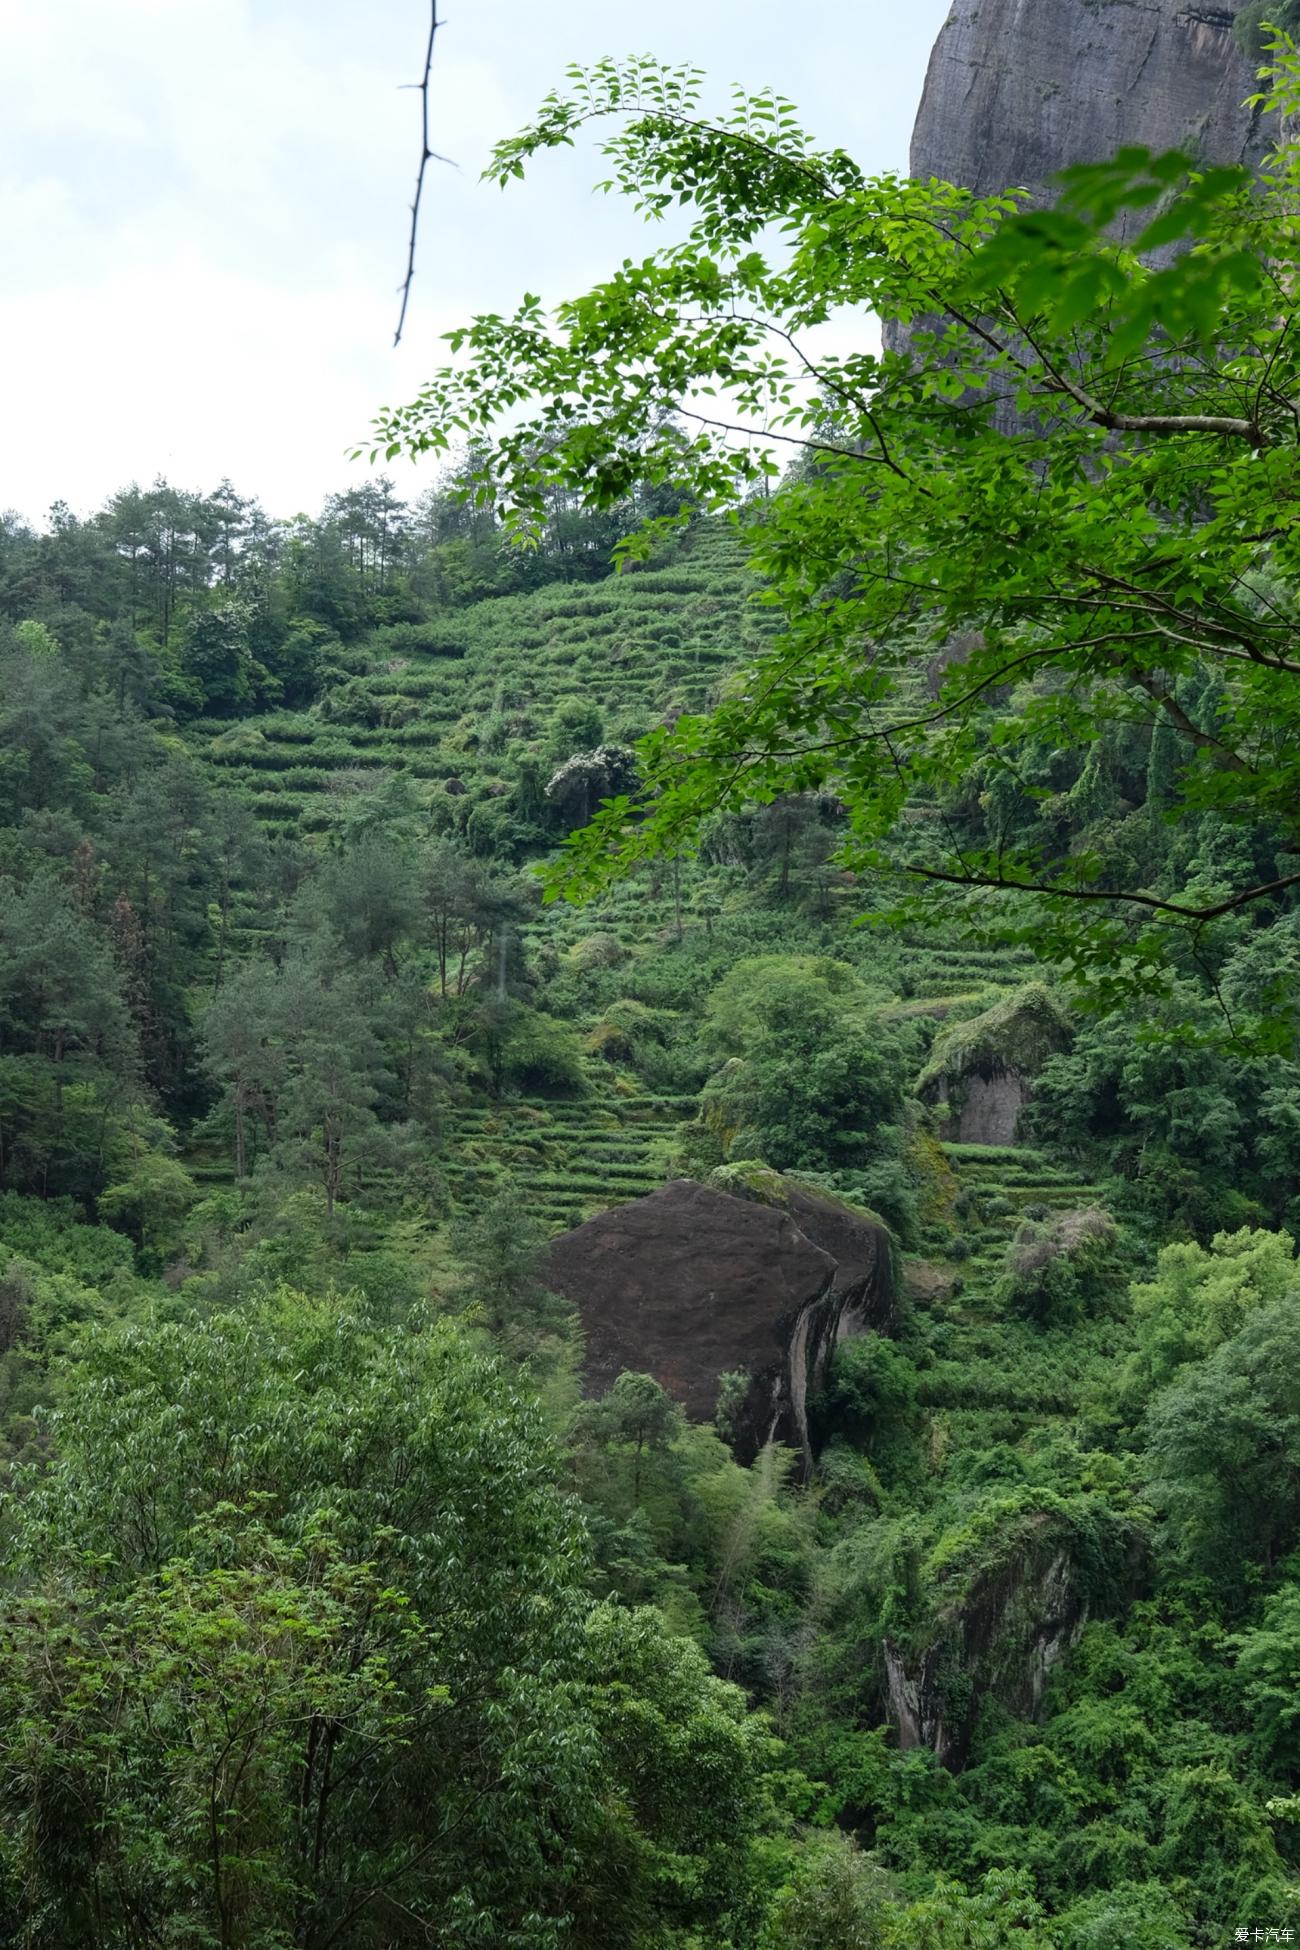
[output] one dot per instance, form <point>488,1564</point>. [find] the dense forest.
<point>337,1612</point>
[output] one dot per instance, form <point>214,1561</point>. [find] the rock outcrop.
<point>1018,89</point>
<point>693,1282</point>
<point>1005,1638</point>
<point>1002,1613</point>
<point>983,1068</point>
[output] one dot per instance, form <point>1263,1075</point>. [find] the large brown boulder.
<point>692,1283</point>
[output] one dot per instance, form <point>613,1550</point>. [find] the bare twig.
<point>427,155</point>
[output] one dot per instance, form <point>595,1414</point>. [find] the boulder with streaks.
<point>693,1282</point>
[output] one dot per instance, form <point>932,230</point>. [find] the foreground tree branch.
<point>1073,461</point>
<point>1007,884</point>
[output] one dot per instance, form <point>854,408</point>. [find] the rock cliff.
<point>1002,1616</point>
<point>1003,1640</point>
<point>693,1283</point>
<point>1017,89</point>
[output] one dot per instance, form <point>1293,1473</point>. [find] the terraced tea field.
<point>637,647</point>
<point>986,1377</point>
<point>566,1160</point>
<point>451,721</point>
<point>1000,1186</point>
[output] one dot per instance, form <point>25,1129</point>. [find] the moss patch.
<point>752,1179</point>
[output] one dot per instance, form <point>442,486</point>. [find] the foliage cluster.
<point>338,1616</point>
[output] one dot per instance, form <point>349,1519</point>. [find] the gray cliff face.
<point>1018,89</point>
<point>1005,1643</point>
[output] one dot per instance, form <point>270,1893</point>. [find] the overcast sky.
<point>203,208</point>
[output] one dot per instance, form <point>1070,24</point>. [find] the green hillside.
<point>285,1015</point>
<point>650,1102</point>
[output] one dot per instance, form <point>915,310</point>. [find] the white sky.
<point>204,206</point>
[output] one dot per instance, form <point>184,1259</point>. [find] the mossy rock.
<point>243,741</point>
<point>1015,1037</point>
<point>751,1178</point>
<point>610,1041</point>
<point>597,951</point>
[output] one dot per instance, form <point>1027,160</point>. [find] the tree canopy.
<point>305,1656</point>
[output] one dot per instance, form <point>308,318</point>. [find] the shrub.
<point>442,636</point>
<point>1198,1299</point>
<point>543,1056</point>
<point>889,1188</point>
<point>1058,1269</point>
<point>598,951</point>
